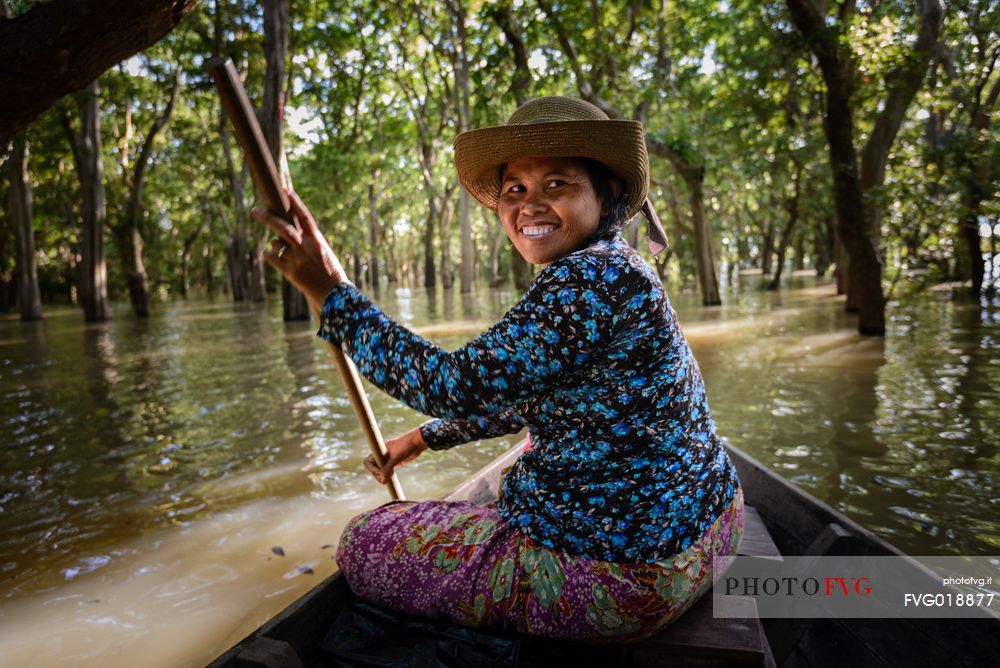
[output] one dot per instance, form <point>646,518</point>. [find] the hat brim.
<point>618,144</point>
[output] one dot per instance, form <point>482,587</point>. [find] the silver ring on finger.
<point>281,251</point>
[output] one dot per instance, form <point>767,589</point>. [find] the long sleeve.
<point>625,464</point>
<point>553,330</point>
<point>443,434</point>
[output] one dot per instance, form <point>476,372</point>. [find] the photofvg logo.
<point>792,586</point>
<point>858,587</point>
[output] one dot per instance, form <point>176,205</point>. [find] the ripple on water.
<point>86,565</point>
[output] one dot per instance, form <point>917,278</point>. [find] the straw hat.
<point>552,127</point>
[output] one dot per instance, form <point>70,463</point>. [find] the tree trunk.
<point>462,94</point>
<point>135,270</point>
<point>497,237</point>
<point>244,280</point>
<point>21,213</point>
<point>73,268</point>
<point>859,225</point>
<point>239,273</point>
<point>468,271</point>
<point>824,246</point>
<point>358,273</point>
<point>258,284</point>
<point>239,259</point>
<point>130,231</point>
<point>373,236</point>
<point>708,277</point>
<point>5,277</point>
<point>392,263</point>
<point>969,225</point>
<point>293,303</point>
<point>800,253</point>
<point>976,169</point>
<point>694,178</point>
<point>742,248</point>
<point>185,272</point>
<point>792,205</point>
<point>991,281</point>
<point>521,269</point>
<point>662,262</point>
<point>767,247</point>
<point>207,271</point>
<point>503,15</point>
<point>87,151</point>
<point>447,267</point>
<point>430,277</point>
<point>61,46</point>
<point>843,263</point>
<point>189,241</point>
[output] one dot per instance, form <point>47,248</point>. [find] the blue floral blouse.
<point>625,464</point>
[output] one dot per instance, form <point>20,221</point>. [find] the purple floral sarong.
<point>462,563</point>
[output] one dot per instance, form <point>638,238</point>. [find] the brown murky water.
<point>148,469</point>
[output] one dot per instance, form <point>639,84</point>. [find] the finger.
<point>288,233</point>
<point>373,468</point>
<point>302,213</point>
<point>276,263</point>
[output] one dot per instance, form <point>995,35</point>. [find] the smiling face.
<point>548,207</point>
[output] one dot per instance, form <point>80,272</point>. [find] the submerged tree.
<point>965,81</point>
<point>88,156</point>
<point>130,229</point>
<point>21,214</point>
<point>828,33</point>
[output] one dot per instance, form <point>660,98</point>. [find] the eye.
<point>556,183</point>
<point>513,188</point>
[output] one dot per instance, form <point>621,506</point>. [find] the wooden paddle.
<point>237,106</point>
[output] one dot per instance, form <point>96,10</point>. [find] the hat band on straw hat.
<point>553,127</point>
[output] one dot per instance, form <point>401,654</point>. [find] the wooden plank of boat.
<point>799,523</point>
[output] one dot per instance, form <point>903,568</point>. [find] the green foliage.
<point>729,88</point>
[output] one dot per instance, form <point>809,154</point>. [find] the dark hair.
<point>614,210</point>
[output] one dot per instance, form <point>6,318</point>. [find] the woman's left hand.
<point>400,450</point>
<point>307,262</point>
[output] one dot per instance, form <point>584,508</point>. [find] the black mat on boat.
<point>366,635</point>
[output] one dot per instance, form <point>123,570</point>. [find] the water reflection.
<point>174,453</point>
<point>892,433</point>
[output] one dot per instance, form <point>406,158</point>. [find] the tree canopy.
<point>782,135</point>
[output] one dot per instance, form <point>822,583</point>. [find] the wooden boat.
<point>781,520</point>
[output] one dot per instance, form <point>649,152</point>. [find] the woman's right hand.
<point>307,262</point>
<point>402,450</point>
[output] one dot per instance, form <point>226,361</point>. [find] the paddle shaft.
<point>237,106</point>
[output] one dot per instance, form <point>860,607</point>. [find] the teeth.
<point>536,230</point>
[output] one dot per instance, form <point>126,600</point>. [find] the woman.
<point>606,527</point>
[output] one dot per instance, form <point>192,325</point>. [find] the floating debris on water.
<point>165,465</point>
